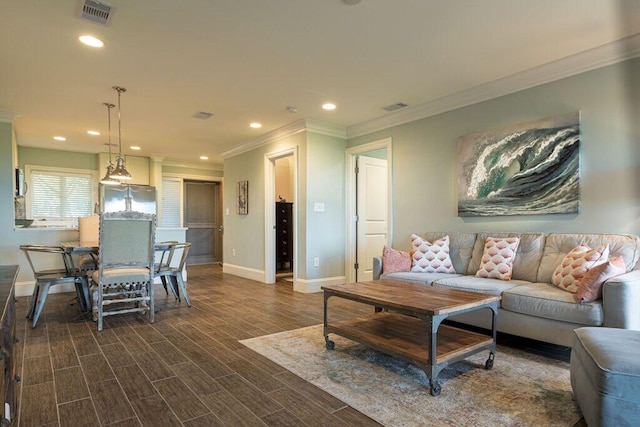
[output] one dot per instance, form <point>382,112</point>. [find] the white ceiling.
<point>246,60</point>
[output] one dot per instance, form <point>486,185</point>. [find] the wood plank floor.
<point>186,369</point>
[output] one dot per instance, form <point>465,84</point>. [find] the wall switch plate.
<point>226,212</point>
<point>318,207</point>
<point>233,252</point>
<point>316,262</point>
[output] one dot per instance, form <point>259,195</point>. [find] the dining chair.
<point>123,282</point>
<point>45,278</point>
<point>165,251</point>
<point>174,274</point>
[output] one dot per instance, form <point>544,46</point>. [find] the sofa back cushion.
<point>558,245</point>
<point>528,256</point>
<point>460,247</point>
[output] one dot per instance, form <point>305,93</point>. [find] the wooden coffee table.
<point>407,321</point>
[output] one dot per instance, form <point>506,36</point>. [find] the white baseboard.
<point>315,285</point>
<point>245,272</point>
<point>25,289</point>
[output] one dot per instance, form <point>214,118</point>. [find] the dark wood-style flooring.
<point>186,369</point>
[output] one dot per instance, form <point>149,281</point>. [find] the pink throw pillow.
<point>497,258</point>
<point>576,263</point>
<point>431,257</point>
<point>590,286</point>
<point>394,261</point>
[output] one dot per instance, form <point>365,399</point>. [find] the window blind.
<point>60,195</point>
<point>171,206</point>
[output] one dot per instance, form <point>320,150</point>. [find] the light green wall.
<point>57,158</point>
<point>424,156</point>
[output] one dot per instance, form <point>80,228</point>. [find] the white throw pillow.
<point>431,257</point>
<point>497,258</point>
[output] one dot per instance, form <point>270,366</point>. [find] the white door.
<point>372,225</point>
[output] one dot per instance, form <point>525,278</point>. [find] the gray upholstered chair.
<point>123,282</point>
<point>174,273</point>
<point>40,256</point>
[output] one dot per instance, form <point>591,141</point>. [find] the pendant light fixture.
<point>120,172</point>
<point>107,180</point>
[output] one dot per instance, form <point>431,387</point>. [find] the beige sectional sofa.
<point>531,306</point>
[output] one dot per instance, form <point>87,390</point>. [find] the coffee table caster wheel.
<point>489,363</point>
<point>330,344</point>
<point>435,389</point>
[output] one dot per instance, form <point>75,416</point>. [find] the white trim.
<point>25,289</point>
<point>618,51</point>
<point>210,167</point>
<point>269,212</point>
<point>190,177</point>
<point>315,285</point>
<point>302,125</point>
<point>350,201</point>
<point>245,272</point>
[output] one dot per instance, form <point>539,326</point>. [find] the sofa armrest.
<point>377,267</point>
<point>621,301</point>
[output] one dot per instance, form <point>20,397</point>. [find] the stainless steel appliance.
<point>139,198</point>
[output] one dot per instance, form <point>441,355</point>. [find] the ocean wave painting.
<point>527,169</point>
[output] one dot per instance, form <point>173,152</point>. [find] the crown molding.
<point>611,53</point>
<point>209,167</point>
<point>301,125</point>
<point>7,116</point>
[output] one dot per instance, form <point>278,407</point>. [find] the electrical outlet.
<point>316,262</point>
<point>233,252</point>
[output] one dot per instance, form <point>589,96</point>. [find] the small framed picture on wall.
<point>243,197</point>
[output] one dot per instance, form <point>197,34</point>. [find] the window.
<point>171,202</point>
<point>59,196</point>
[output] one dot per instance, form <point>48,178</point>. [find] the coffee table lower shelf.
<point>407,337</point>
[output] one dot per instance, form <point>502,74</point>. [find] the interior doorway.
<point>280,178</point>
<point>202,217</point>
<point>284,216</point>
<point>369,201</point>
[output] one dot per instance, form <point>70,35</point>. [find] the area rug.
<point>522,389</point>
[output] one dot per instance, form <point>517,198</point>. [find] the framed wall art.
<point>243,197</point>
<point>526,169</point>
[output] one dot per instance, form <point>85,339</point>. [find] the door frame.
<point>350,201</point>
<point>270,212</point>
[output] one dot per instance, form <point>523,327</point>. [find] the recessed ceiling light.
<point>90,40</point>
<point>135,147</point>
<point>256,125</point>
<point>93,132</point>
<point>204,157</point>
<point>328,106</point>
<point>59,138</point>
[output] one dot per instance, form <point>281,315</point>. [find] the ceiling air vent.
<point>96,11</point>
<point>394,107</point>
<point>202,115</point>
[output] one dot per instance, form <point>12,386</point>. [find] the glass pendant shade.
<point>120,172</point>
<point>107,180</point>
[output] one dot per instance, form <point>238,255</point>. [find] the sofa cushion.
<point>419,278</point>
<point>550,302</point>
<point>576,263</point>
<point>394,260</point>
<point>528,255</point>
<point>431,257</point>
<point>497,258</point>
<point>460,248</point>
<point>478,284</point>
<point>558,245</point>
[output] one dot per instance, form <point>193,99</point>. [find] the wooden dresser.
<point>8,275</point>
<point>284,236</point>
